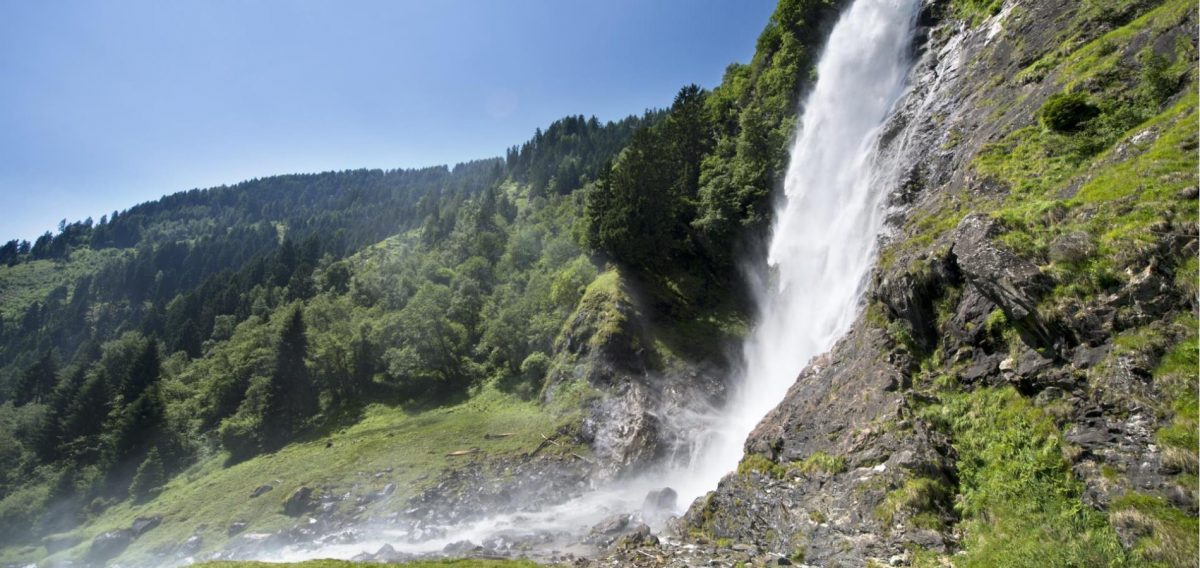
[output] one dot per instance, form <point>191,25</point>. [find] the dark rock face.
<point>1009,281</point>
<point>260,491</point>
<point>848,404</point>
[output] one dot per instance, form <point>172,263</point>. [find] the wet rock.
<point>611,525</point>
<point>659,504</point>
<point>298,502</point>
<point>109,545</point>
<point>910,297</point>
<point>260,491</point>
<point>461,548</point>
<point>142,525</point>
<point>191,546</point>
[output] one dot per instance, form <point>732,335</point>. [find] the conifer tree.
<point>291,396</point>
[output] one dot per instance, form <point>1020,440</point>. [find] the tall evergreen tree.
<point>38,380</point>
<point>144,372</point>
<point>291,396</point>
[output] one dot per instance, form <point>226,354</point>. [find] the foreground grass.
<point>388,445</point>
<point>466,563</point>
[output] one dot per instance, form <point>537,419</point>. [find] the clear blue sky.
<point>107,104</point>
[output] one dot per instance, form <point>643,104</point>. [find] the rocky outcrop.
<point>824,462</point>
<point>609,346</point>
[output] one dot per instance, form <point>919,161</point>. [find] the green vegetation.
<point>409,448</point>
<point>1176,376</point>
<point>820,462</point>
<point>1019,504</point>
<point>761,464</point>
<point>922,498</point>
<point>975,11</point>
<point>817,463</point>
<point>1166,535</point>
<point>1068,112</point>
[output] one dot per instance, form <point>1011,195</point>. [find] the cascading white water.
<point>824,239</point>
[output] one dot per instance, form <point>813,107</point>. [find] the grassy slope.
<point>208,497</point>
<point>28,282</point>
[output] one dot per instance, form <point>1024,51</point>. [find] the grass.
<point>975,11</point>
<point>1176,376</point>
<point>817,462</point>
<point>464,563</point>
<point>921,497</point>
<point>1019,503</point>
<point>407,448</point>
<point>1166,535</point>
<point>820,462</point>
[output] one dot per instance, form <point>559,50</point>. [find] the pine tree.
<point>144,372</point>
<point>149,477</point>
<point>38,381</point>
<point>291,396</point>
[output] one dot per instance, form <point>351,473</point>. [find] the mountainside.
<point>311,365</point>
<point>1021,387</point>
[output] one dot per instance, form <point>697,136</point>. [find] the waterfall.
<point>826,228</point>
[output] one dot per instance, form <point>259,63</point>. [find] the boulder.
<point>191,546</point>
<point>611,525</point>
<point>1008,280</point>
<point>109,545</point>
<point>659,504</point>
<point>143,525</point>
<point>1071,248</point>
<point>298,502</point>
<point>236,527</point>
<point>461,548</point>
<point>260,491</point>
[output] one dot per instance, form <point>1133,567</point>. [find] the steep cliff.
<point>1020,388</point>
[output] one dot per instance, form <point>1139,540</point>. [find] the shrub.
<point>1068,112</point>
<point>241,436</point>
<point>535,366</point>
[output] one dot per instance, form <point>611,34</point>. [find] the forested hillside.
<point>239,317</point>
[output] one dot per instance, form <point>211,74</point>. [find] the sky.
<point>104,105</point>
